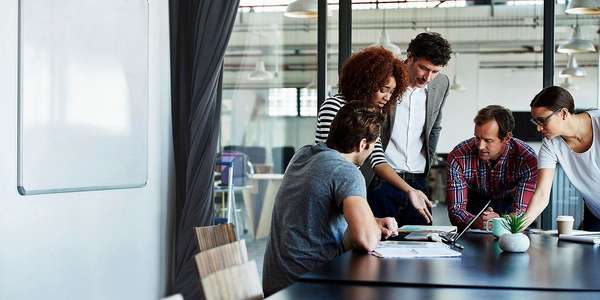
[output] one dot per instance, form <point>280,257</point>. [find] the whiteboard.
<point>83,95</point>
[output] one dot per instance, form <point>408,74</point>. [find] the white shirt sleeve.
<point>547,158</point>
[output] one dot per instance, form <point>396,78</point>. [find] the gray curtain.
<point>199,32</point>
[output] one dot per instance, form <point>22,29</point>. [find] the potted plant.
<point>515,241</point>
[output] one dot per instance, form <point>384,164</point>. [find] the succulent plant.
<point>514,223</point>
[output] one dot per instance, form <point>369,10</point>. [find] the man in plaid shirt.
<point>490,166</point>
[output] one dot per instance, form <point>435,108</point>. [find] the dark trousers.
<point>590,222</point>
<point>386,200</point>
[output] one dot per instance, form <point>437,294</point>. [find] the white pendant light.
<point>302,9</point>
<point>583,7</point>
<point>576,44</point>
<point>260,73</point>
<point>572,69</point>
<point>385,42</point>
<point>456,86</point>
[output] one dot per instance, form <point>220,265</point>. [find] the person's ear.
<point>364,145</point>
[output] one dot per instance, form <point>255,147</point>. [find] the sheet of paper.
<point>555,232</point>
<point>418,228</point>
<point>589,238</point>
<point>411,249</point>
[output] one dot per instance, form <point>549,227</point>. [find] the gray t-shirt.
<point>582,169</point>
<point>307,227</point>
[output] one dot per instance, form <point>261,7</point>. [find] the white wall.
<point>87,245</point>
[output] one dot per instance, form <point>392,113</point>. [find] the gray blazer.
<point>437,91</point>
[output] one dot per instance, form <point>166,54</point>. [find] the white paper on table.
<point>590,238</point>
<point>411,249</point>
<point>427,228</point>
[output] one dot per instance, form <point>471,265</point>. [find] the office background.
<point>92,245</point>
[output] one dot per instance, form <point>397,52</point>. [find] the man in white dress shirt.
<point>399,165</point>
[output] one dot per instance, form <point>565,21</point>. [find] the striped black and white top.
<point>327,112</point>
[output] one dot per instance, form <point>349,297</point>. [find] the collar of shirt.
<point>413,89</point>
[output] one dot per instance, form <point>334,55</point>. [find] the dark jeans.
<point>387,201</point>
<point>590,222</point>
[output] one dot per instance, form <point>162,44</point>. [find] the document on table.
<point>588,237</point>
<point>427,228</point>
<point>411,249</point>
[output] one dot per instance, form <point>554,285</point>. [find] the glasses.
<point>541,121</point>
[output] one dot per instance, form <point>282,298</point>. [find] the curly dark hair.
<point>368,70</point>
<point>431,46</point>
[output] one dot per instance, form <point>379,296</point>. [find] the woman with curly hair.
<point>372,75</point>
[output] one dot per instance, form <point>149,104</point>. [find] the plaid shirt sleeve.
<point>457,191</point>
<point>526,177</point>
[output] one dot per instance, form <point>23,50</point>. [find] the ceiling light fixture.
<point>385,42</point>
<point>572,69</point>
<point>583,7</point>
<point>302,9</point>
<point>576,44</point>
<point>456,86</point>
<point>260,72</point>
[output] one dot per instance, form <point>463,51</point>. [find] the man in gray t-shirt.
<point>321,203</point>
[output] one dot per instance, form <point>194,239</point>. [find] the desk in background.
<point>259,202</point>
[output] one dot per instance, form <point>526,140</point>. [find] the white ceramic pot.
<point>514,242</point>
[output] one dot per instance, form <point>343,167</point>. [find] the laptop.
<point>451,239</point>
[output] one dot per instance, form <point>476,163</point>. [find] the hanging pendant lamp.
<point>572,69</point>
<point>302,9</point>
<point>456,86</point>
<point>583,7</point>
<point>385,42</point>
<point>576,44</point>
<point>260,72</point>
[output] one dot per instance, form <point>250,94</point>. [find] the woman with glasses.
<point>570,140</point>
